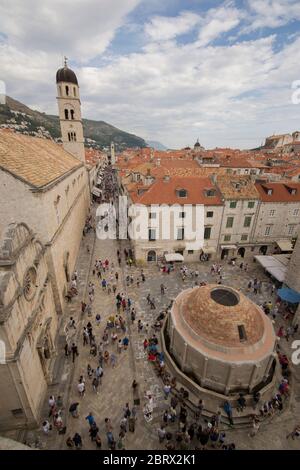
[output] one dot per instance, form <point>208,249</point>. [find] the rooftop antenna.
<point>65,61</point>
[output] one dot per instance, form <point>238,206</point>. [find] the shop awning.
<point>285,245</point>
<point>96,191</point>
<point>228,247</point>
<point>289,295</point>
<point>169,257</point>
<point>208,250</point>
<point>276,265</point>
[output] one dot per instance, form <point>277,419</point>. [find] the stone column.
<point>184,357</point>
<point>270,362</point>
<point>254,370</point>
<point>203,378</point>
<point>228,381</point>
<point>172,338</point>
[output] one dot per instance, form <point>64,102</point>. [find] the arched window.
<point>72,113</point>
<point>67,90</point>
<point>74,91</point>
<point>69,136</point>
<point>66,114</point>
<point>74,134</point>
<point>151,256</point>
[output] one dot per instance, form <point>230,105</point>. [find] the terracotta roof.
<point>166,192</point>
<point>281,192</point>
<point>237,187</point>
<point>92,156</point>
<point>218,322</point>
<point>36,161</point>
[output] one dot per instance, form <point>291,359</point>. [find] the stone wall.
<point>28,327</point>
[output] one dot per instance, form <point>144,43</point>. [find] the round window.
<point>29,285</point>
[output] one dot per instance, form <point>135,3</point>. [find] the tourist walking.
<point>228,410</point>
<point>74,350</point>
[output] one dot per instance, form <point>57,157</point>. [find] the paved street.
<point>115,389</point>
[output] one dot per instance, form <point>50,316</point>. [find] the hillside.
<point>156,145</point>
<point>98,134</point>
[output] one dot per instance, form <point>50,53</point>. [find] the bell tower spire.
<point>69,107</point>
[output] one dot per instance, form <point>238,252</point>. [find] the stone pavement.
<point>115,389</point>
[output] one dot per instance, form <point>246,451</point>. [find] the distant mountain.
<point>156,145</point>
<point>98,134</point>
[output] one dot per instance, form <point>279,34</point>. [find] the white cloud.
<point>167,101</point>
<point>164,28</point>
<point>233,94</point>
<point>272,13</point>
<point>79,29</point>
<point>217,21</point>
<point>210,25</point>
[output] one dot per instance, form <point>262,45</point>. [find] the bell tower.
<point>112,153</point>
<point>69,108</point>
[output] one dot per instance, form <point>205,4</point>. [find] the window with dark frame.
<point>229,222</point>
<point>180,233</point>
<point>247,221</point>
<point>207,233</point>
<point>151,234</point>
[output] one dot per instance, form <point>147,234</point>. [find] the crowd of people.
<point>105,339</point>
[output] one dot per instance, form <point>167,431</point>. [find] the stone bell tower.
<point>112,153</point>
<point>69,108</point>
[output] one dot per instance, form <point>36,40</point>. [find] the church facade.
<point>28,326</point>
<point>45,185</point>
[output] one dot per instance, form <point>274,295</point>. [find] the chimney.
<point>158,162</point>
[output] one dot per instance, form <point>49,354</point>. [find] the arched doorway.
<point>263,250</point>
<point>241,252</point>
<point>151,255</point>
<point>224,253</point>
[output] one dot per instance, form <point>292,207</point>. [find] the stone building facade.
<point>195,201</point>
<point>46,186</point>
<point>278,214</point>
<point>241,200</point>
<point>28,326</point>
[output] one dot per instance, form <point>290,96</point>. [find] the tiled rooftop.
<point>36,161</point>
<point>166,192</point>
<point>237,187</point>
<point>279,192</point>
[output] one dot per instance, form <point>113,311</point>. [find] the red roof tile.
<point>165,192</point>
<point>280,192</point>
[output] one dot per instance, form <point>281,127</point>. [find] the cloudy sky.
<point>166,70</point>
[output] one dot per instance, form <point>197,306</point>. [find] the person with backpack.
<point>228,410</point>
<point>98,441</point>
<point>99,373</point>
<point>74,410</point>
<point>77,441</point>
<point>95,384</point>
<point>127,412</point>
<point>93,431</point>
<point>90,418</point>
